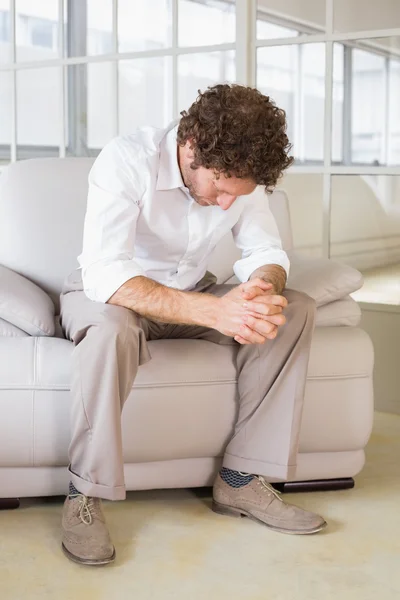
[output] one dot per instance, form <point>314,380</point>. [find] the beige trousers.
<point>110,345</point>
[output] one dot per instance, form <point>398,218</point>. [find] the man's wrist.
<point>207,315</point>
<point>273,274</point>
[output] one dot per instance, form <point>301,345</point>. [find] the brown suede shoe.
<point>85,535</point>
<point>260,502</point>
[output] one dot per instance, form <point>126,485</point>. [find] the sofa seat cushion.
<point>184,401</point>
<point>45,363</point>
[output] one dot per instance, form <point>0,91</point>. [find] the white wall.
<point>382,323</point>
<point>349,15</point>
<point>356,15</point>
<point>311,11</point>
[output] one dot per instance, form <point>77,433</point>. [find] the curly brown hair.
<point>237,131</point>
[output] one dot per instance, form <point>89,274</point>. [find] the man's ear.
<point>190,147</point>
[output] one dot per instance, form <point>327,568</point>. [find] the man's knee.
<point>111,322</point>
<point>300,302</point>
<point>119,322</point>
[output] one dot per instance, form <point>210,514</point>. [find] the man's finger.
<point>258,325</point>
<point>262,309</point>
<point>250,335</point>
<point>258,282</point>
<point>275,319</point>
<point>241,340</point>
<point>266,299</point>
<point>273,334</point>
<point>255,286</point>
<point>251,293</point>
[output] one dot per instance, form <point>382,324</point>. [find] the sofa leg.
<point>320,485</point>
<point>8,503</point>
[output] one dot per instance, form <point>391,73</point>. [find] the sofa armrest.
<point>340,313</point>
<point>25,305</point>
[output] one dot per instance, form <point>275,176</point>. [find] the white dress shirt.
<point>141,220</point>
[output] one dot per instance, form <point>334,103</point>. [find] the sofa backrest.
<point>42,209</point>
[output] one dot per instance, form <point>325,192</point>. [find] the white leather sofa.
<point>181,411</point>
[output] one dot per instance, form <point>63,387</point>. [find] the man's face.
<point>207,190</point>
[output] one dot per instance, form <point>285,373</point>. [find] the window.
<point>42,32</point>
<point>215,22</point>
<point>366,94</point>
<point>121,64</point>
<point>367,107</point>
<point>4,26</point>
<point>36,27</point>
<point>294,77</point>
<point>76,108</point>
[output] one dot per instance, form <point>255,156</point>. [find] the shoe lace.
<point>86,508</point>
<point>266,486</point>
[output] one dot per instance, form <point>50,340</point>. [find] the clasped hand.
<point>251,312</point>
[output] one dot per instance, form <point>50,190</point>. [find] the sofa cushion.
<point>8,330</point>
<point>24,304</point>
<point>323,279</point>
<point>345,312</point>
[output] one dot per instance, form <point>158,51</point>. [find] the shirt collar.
<point>169,174</point>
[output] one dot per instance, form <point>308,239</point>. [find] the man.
<point>159,201</point>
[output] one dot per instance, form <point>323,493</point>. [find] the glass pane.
<point>366,92</point>
<point>365,232</point>
<point>38,110</point>
<point>90,116</point>
<point>144,25</point>
<point>277,19</point>
<point>305,203</point>
<point>215,22</point>
<point>5,114</point>
<point>36,29</point>
<point>100,104</point>
<point>198,71</point>
<point>312,97</point>
<point>394,112</point>
<point>145,93</point>
<point>357,15</point>
<point>5,32</point>
<point>294,77</point>
<point>337,103</point>
<point>89,27</point>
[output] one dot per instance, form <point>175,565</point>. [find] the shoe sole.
<point>88,561</point>
<point>230,511</point>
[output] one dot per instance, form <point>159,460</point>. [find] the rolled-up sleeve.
<point>256,235</point>
<point>107,259</point>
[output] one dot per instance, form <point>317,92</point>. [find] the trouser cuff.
<point>97,490</point>
<point>271,471</point>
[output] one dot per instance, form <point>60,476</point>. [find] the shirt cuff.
<point>101,281</point>
<point>244,267</point>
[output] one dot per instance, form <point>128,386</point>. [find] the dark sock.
<point>234,478</point>
<point>72,489</point>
